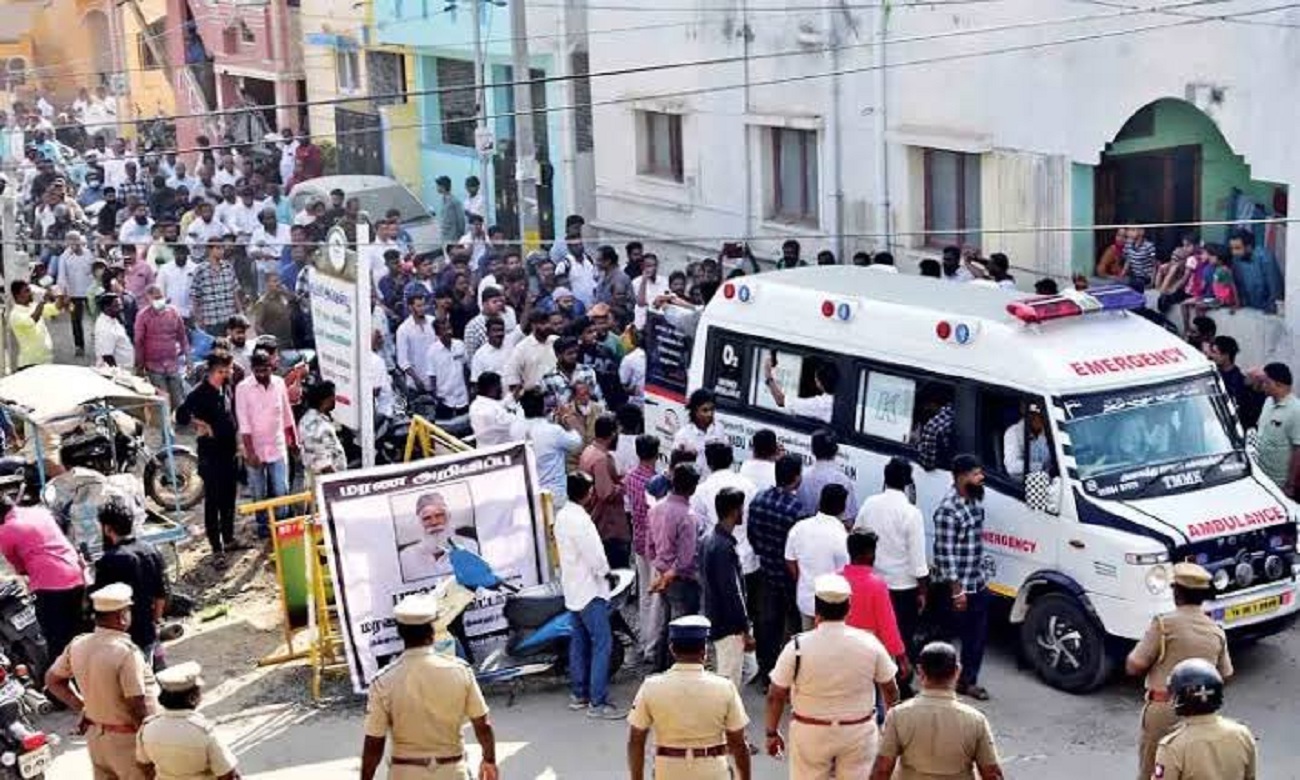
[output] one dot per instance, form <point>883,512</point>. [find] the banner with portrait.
<point>388,531</point>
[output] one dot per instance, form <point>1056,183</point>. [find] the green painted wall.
<point>1083,251</point>
<point>1181,124</point>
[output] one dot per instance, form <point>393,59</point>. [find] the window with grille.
<point>792,185</point>
<point>583,122</point>
<point>659,145</point>
<point>152,33</point>
<point>386,77</point>
<point>456,107</point>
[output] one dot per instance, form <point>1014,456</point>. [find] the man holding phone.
<point>958,557</point>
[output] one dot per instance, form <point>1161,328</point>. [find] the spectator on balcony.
<point>1255,272</point>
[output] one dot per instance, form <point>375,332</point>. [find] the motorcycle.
<point>25,752</point>
<point>539,626</point>
<point>112,442</point>
<point>19,632</point>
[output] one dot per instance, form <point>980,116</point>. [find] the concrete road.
<point>1042,734</point>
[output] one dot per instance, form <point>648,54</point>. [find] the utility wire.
<point>735,59</point>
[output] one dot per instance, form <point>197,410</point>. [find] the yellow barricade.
<point>289,550</point>
<point>425,438</point>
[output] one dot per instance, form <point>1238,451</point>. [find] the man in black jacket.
<point>136,563</point>
<point>211,407</point>
<point>724,589</point>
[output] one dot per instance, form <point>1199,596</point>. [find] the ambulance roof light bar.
<point>1041,308</point>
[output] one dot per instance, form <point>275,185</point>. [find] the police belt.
<point>712,751</point>
<point>797,718</point>
<point>1158,697</point>
<point>431,761</point>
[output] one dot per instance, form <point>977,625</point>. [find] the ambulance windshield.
<point>1155,440</point>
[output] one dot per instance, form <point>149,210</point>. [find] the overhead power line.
<point>737,59</point>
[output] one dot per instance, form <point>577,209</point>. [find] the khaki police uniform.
<point>424,700</point>
<point>110,671</point>
<point>181,744</point>
<point>1206,747</point>
<point>1187,632</point>
<point>936,737</point>
<point>832,673</point>
<point>690,711</point>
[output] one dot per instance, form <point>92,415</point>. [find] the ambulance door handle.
<point>1077,544</point>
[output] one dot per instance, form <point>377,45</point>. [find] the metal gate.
<point>360,142</point>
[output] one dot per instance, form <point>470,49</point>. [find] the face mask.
<point>158,304</point>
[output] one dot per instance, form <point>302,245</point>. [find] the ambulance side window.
<point>886,406</point>
<point>1013,436</point>
<point>796,374</point>
<point>908,411</point>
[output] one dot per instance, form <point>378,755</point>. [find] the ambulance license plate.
<point>36,762</point>
<point>1252,609</point>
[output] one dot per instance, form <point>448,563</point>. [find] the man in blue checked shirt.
<point>958,552</point>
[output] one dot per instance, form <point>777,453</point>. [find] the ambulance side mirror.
<point>1042,493</point>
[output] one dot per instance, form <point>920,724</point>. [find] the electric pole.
<point>530,232</point>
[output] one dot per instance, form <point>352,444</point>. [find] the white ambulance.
<point>1136,458</point>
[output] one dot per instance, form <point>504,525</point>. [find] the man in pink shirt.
<point>266,429</point>
<point>869,607</point>
<point>35,547</point>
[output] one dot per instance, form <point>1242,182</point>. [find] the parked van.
<point>1134,460</point>
<point>377,194</point>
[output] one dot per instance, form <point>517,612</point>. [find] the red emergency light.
<point>1041,308</point>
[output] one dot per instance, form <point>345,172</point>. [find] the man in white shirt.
<point>489,418</point>
<point>493,304</point>
<point>532,358</point>
<point>819,406</point>
<point>377,372</point>
<point>720,459</point>
<point>114,164</point>
<point>900,549</point>
<point>760,467</point>
<point>414,338</point>
<point>580,272</point>
<point>817,545</point>
<point>583,579</point>
<point>174,279</point>
<point>631,373</point>
<point>241,216</point>
<point>203,229</point>
<point>138,229</point>
<point>226,174</point>
<point>288,150</point>
<point>447,371</point>
<point>647,288</point>
<point>475,239</point>
<point>373,255</point>
<point>491,356</point>
<point>474,203</point>
<point>112,344</point>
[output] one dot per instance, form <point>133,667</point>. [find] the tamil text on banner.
<point>388,530</point>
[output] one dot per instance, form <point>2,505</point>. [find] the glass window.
<point>796,376</point>
<point>347,71</point>
<point>952,198</point>
<point>1144,442</point>
<point>660,142</point>
<point>886,405</point>
<point>793,196</point>
<point>1013,435</point>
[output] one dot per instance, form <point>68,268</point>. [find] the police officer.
<point>908,740</point>
<point>697,716</point>
<point>179,743</point>
<point>1185,633</point>
<point>1203,746</point>
<point>423,699</point>
<point>830,674</point>
<point>117,686</point>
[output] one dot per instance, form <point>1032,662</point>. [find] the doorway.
<point>1163,185</point>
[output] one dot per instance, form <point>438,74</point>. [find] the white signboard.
<point>334,323</point>
<point>388,530</point>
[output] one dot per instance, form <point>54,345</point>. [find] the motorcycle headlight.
<point>1158,579</point>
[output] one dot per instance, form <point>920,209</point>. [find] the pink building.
<point>237,55</point>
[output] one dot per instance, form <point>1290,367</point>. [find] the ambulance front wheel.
<point>1065,644</point>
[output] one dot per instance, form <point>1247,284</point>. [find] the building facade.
<point>916,125</point>
<point>441,43</point>
<point>242,58</point>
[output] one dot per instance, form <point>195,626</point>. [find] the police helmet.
<point>1196,687</point>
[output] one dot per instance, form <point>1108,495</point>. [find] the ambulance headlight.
<point>1157,579</point>
<point>1222,579</point>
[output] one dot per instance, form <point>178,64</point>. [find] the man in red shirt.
<point>869,606</point>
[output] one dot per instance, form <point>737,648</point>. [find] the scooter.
<point>25,752</point>
<point>538,624</point>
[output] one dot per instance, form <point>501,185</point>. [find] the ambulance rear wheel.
<point>1065,644</point>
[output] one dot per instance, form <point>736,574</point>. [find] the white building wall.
<point>1031,111</point>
